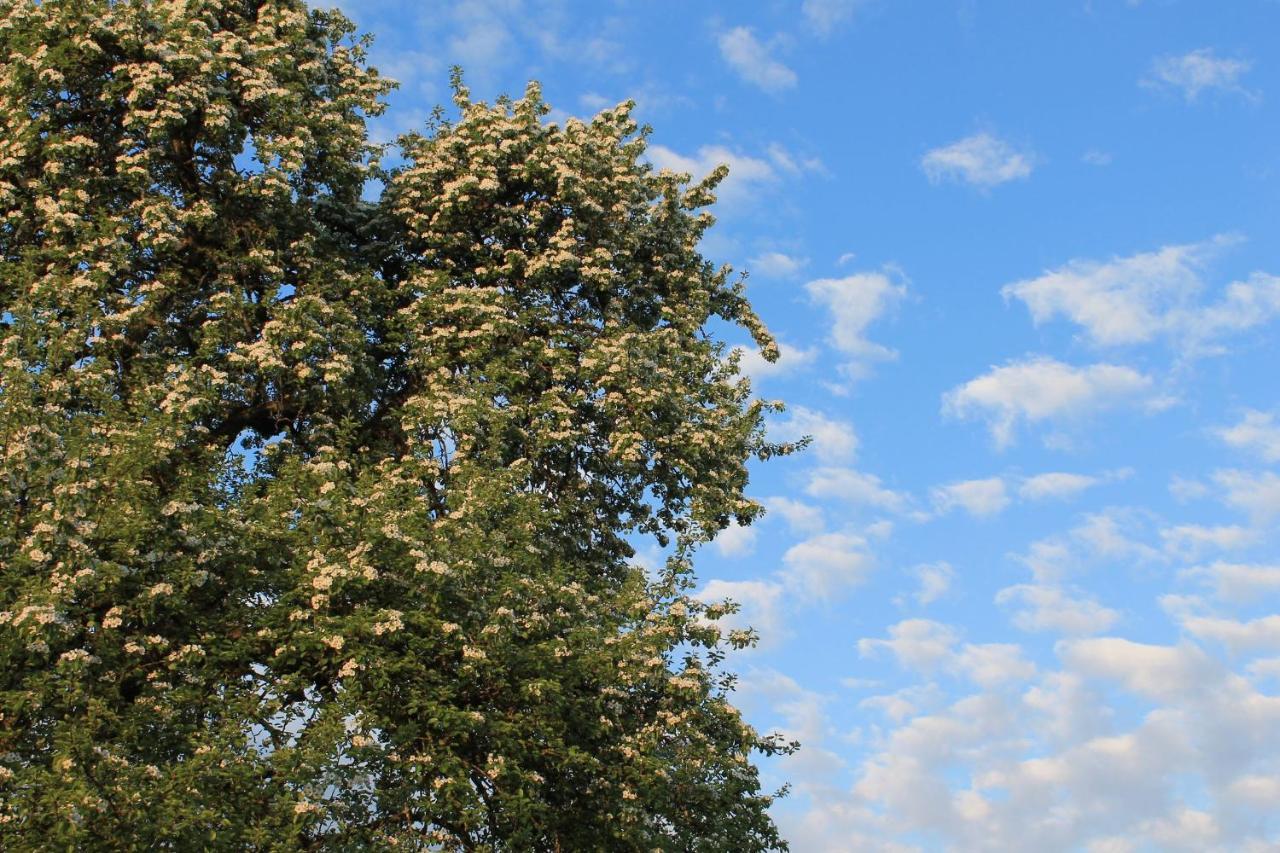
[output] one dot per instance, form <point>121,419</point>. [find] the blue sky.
<point>1022,592</point>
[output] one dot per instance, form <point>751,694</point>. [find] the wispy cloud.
<point>777,264</point>
<point>825,16</point>
<point>752,61</point>
<point>1197,72</point>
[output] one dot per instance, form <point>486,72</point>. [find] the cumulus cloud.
<point>760,602</point>
<point>753,62</point>
<point>1257,432</point>
<point>1041,389</point>
<point>800,516</point>
<point>1042,607</point>
<point>833,440</point>
<point>1159,672</point>
<point>824,566</point>
<point>991,664</point>
<point>736,540</point>
<point>855,302</point>
<point>1256,634</point>
<point>982,160</point>
<point>900,704</point>
<point>1254,492</point>
<point>1197,72</point>
<point>1057,766</point>
<point>924,645</point>
<point>1115,536</point>
<point>918,644</point>
<point>1191,541</point>
<point>1239,583</point>
<point>1150,295</point>
<point>979,498</point>
<point>855,487</point>
<point>935,581</point>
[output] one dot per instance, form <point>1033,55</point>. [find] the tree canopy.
<point>316,509</point>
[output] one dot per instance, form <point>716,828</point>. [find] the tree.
<point>317,510</point>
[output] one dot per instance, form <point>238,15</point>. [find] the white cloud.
<point>1240,583</point>
<point>1257,432</point>
<point>1186,489</point>
<point>855,487</point>
<point>1190,541</point>
<point>736,540</point>
<point>747,175</point>
<point>1062,485</point>
<point>1265,668</point>
<point>1049,608</point>
<point>935,581</point>
<point>979,498</point>
<point>833,440</point>
<point>855,302</point>
<point>790,360</point>
<point>825,16</point>
<point>750,58</point>
<point>800,516</point>
<point>594,102</point>
<point>1160,672</point>
<point>826,565</point>
<point>482,40</point>
<point>927,646</point>
<point>900,704</point>
<point>1051,769</point>
<point>1040,389</point>
<point>1197,72</point>
<point>991,664</point>
<point>760,603</point>
<point>982,160</point>
<point>1262,633</point>
<point>1258,791</point>
<point>1134,300</point>
<point>918,644</point>
<point>777,265</point>
<point>1110,537</point>
<point>1256,493</point>
<point>791,164</point>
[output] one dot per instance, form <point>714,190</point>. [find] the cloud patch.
<point>1149,295</point>
<point>1197,72</point>
<point>1041,389</point>
<point>981,160</point>
<point>752,60</point>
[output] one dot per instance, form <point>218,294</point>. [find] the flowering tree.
<point>316,510</point>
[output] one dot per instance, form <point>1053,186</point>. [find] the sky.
<point>1023,590</point>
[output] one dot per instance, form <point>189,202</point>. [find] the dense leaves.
<point>316,509</point>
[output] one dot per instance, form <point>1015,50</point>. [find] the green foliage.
<point>315,509</point>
